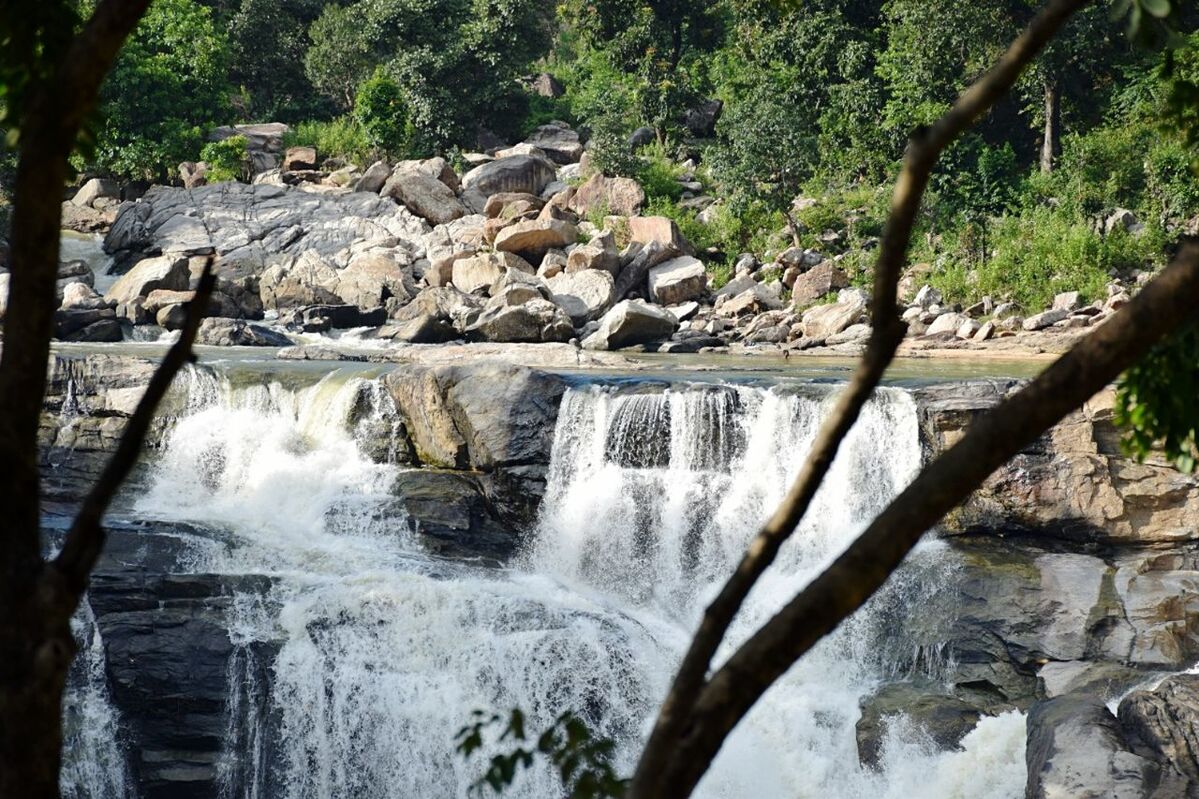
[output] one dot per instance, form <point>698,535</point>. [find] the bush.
<point>658,175</point>
<point>380,110</point>
<point>227,160</point>
<point>1039,254</point>
<point>339,138</point>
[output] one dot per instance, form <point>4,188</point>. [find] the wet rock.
<point>450,514</point>
<point>1163,725</point>
<point>945,719</point>
<point>1076,749</point>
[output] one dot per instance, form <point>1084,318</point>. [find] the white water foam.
<point>651,499</point>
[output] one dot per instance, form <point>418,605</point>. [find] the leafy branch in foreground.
<point>583,761</point>
<point>1157,401</point>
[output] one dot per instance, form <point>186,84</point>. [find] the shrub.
<point>340,138</point>
<point>1038,254</point>
<point>380,110</point>
<point>227,159</point>
<point>658,175</point>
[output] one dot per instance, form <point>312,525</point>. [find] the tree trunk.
<point>1051,145</point>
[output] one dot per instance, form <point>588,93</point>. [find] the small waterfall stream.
<point>380,653</point>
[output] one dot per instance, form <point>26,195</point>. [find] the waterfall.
<point>93,758</point>
<point>380,652</point>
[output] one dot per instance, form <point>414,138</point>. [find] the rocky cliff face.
<point>1072,578</point>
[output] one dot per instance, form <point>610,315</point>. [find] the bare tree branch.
<point>888,330</point>
<point>1162,307</point>
<point>86,537</point>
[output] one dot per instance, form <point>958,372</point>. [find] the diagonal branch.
<point>1162,307</point>
<point>86,537</point>
<point>923,151</point>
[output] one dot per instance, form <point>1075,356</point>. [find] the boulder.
<point>820,280</point>
<point>425,196</point>
<point>523,173</point>
<point>373,179</point>
<point>945,719</point>
<point>534,237</point>
<point>95,189</point>
<point>375,280</point>
<point>753,301</point>
<point>827,320</point>
<point>596,255</point>
<point>1067,301</point>
<point>620,196</point>
<point>193,174</point>
<point>641,136</point>
<point>299,158</point>
<point>631,322</point>
<point>451,515</point>
<point>308,281</point>
<point>479,273</point>
<point>1162,725</point>
<point>511,205</point>
<point>644,229</point>
<point>559,142</point>
<point>534,321</point>
<point>220,332</point>
<point>677,280</point>
<point>947,323</point>
<point>163,272</point>
<point>701,120</point>
<point>1076,749</point>
<point>437,168</point>
<point>1045,319</point>
<point>87,324</point>
<point>584,295</point>
<point>80,295</point>
<point>436,315</point>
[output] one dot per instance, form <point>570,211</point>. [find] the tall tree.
<point>51,67</point>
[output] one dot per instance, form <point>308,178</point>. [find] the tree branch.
<point>924,148</point>
<point>86,537</point>
<point>49,128</point>
<point>1162,307</point>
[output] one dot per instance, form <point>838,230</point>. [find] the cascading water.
<point>381,652</point>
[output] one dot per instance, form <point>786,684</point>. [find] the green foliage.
<point>1031,257</point>
<point>268,40</point>
<point>1157,401</point>
<point>168,86</point>
<point>583,761</point>
<point>340,57</point>
<point>609,148</point>
<point>658,175</point>
<point>382,113</point>
<point>227,159</point>
<point>339,138</point>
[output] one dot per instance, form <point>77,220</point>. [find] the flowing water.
<point>381,653</point>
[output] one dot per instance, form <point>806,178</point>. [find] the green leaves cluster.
<point>227,159</point>
<point>1157,401</point>
<point>583,761</point>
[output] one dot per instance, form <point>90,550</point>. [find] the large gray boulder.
<point>1076,750</point>
<point>945,719</point>
<point>163,272</point>
<point>478,273</point>
<point>584,295</point>
<point>518,173</point>
<point>677,280</point>
<point>631,322</point>
<point>376,280</point>
<point>425,196</point>
<point>559,142</point>
<point>436,315</point>
<point>827,320</point>
<point>532,321</point>
<point>1163,725</point>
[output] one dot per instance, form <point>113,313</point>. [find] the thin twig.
<point>887,333</point>
<point>86,537</point>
